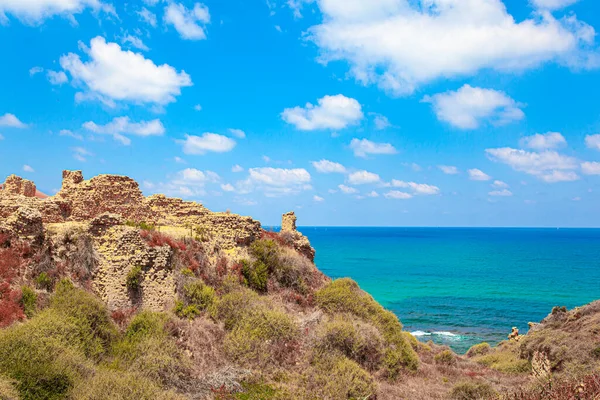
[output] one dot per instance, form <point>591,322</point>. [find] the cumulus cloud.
<point>80,154</point>
<point>11,121</point>
<point>190,23</point>
<point>318,199</point>
<point>121,126</point>
<point>363,148</point>
<point>208,142</point>
<point>363,178</point>
<point>228,187</point>
<point>238,133</point>
<point>57,77</point>
<point>35,70</point>
<point>448,169</point>
<point>501,193</point>
<point>590,168</point>
<point>113,75</point>
<point>395,194</point>
<point>417,188</point>
<point>552,4</point>
<point>550,140</point>
<point>187,183</point>
<point>400,45</point>
<point>469,107</point>
<point>548,166</point>
<point>34,12</point>
<point>275,182</point>
<point>237,168</point>
<point>499,184</point>
<point>147,16</point>
<point>478,175</point>
<point>593,141</point>
<point>134,41</point>
<point>28,168</point>
<point>381,122</point>
<point>328,167</point>
<point>67,132</point>
<point>332,112</point>
<point>373,194</point>
<point>347,189</point>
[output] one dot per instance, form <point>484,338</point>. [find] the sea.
<point>463,286</point>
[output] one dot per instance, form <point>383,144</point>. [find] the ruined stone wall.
<point>15,185</point>
<point>288,222</point>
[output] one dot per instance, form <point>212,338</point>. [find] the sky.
<point>348,112</point>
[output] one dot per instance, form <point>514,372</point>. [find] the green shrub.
<point>505,360</point>
<point>260,336</point>
<point>472,391</point>
<point>232,306</point>
<point>480,349</point>
<point>337,377</point>
<point>445,357</point>
<point>7,389</point>
<point>266,251</point>
<point>256,275</point>
<point>183,311</point>
<point>89,314</point>
<point>43,281</point>
<point>256,391</point>
<point>344,296</point>
<point>134,278</point>
<point>148,349</point>
<point>199,294</point>
<point>28,301</point>
<point>110,384</point>
<point>43,356</point>
<point>357,340</point>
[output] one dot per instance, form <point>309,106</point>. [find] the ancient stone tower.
<point>288,222</point>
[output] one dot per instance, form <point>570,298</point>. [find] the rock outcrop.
<point>298,240</point>
<point>15,185</point>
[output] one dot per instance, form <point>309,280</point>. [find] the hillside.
<point>105,293</point>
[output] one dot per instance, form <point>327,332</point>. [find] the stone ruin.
<point>298,240</point>
<point>15,185</point>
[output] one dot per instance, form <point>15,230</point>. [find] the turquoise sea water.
<point>460,286</point>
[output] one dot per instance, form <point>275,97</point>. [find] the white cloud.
<point>478,175</point>
<point>198,107</point>
<point>590,168</point>
<point>500,184</point>
<point>35,70</point>
<point>373,194</point>
<point>364,147</point>
<point>34,12</point>
<point>28,168</point>
<point>448,169</point>
<point>190,23</point>
<point>347,189</point>
<point>208,142</point>
<point>237,168</point>
<point>318,199</point>
<point>327,167</point>
<point>548,166</point>
<point>593,141</point>
<point>147,16</point>
<point>381,122</point>
<point>238,133</point>
<point>400,45</point>
<point>275,182</point>
<point>501,193</point>
<point>469,107</point>
<point>417,188</point>
<point>363,178</point>
<point>57,78</point>
<point>332,112</point>
<point>66,132</point>
<point>121,126</point>
<point>228,187</point>
<point>550,140</point>
<point>179,160</point>
<point>552,4</point>
<point>113,75</point>
<point>187,183</point>
<point>394,194</point>
<point>80,154</point>
<point>11,121</point>
<point>134,42</point>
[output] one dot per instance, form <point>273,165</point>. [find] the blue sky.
<point>391,113</point>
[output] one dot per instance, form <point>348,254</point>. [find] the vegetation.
<point>28,301</point>
<point>472,391</point>
<point>344,296</point>
<point>43,281</point>
<point>445,357</point>
<point>480,349</point>
<point>134,278</point>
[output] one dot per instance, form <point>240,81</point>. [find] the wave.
<point>448,335</point>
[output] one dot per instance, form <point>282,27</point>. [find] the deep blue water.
<point>461,286</point>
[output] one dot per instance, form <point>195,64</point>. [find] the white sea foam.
<point>448,335</point>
